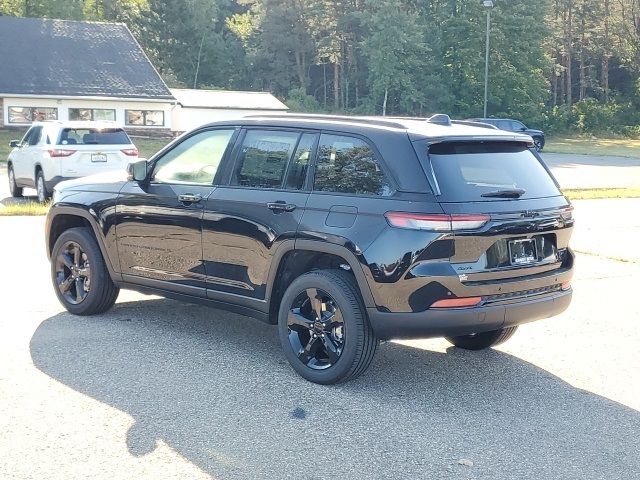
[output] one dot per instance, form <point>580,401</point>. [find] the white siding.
<point>63,108</point>
<point>185,118</point>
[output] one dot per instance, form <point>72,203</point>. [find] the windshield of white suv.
<point>93,136</point>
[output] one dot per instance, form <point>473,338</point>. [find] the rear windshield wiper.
<point>512,193</point>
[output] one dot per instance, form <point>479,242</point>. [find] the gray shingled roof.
<point>69,58</point>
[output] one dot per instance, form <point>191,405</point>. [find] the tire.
<point>480,341</point>
<point>345,344</point>
<point>41,187</point>
<point>538,144</point>
<point>14,189</point>
<point>81,282</point>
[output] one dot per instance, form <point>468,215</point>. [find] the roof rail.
<point>379,121</point>
<point>472,123</point>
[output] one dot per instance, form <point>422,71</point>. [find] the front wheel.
<point>480,341</point>
<point>324,329</point>
<point>79,274</point>
<point>14,189</point>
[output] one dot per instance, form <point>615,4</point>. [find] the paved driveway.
<point>161,389</point>
<point>586,171</point>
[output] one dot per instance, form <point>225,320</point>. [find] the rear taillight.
<point>131,152</point>
<point>61,153</point>
<point>435,222</point>
<point>457,302</point>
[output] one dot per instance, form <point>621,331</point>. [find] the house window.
<point>92,114</point>
<point>31,114</point>
<point>147,118</point>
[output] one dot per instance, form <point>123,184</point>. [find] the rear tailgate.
<point>86,151</point>
<point>529,220</point>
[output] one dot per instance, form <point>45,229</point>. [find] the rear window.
<point>93,136</point>
<point>467,170</point>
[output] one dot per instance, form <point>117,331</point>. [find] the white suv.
<point>51,152</point>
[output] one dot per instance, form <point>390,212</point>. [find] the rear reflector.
<point>61,153</point>
<point>132,152</point>
<point>436,222</point>
<point>457,302</point>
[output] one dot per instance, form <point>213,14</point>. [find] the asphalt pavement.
<point>156,388</point>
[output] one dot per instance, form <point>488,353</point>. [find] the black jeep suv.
<point>515,126</point>
<point>343,231</point>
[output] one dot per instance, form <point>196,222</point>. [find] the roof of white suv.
<point>84,124</point>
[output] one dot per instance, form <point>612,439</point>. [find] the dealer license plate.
<point>522,252</point>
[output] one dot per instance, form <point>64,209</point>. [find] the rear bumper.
<point>464,321</point>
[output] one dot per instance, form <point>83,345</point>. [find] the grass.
<point>600,193</point>
<point>149,146</point>
<point>29,208</point>
<point>617,147</point>
<point>5,137</point>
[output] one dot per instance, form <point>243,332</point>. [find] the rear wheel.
<point>41,187</point>
<point>79,274</point>
<point>538,144</point>
<point>324,329</point>
<point>480,341</point>
<point>13,186</point>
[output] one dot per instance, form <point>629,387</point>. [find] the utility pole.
<point>488,4</point>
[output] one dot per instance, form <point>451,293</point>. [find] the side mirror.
<point>137,171</point>
<point>14,143</point>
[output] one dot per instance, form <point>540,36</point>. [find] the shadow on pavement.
<point>216,388</point>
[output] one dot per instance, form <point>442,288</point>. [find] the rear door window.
<point>93,136</point>
<point>467,170</point>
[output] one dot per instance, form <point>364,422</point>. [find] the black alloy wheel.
<point>324,329</point>
<point>316,329</point>
<point>73,273</point>
<point>79,273</point>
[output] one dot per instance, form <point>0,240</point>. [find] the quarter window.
<point>95,114</point>
<point>147,118</point>
<point>263,158</point>
<point>195,160</point>
<point>31,114</point>
<point>348,165</point>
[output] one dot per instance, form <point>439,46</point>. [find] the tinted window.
<point>263,158</point>
<point>195,160</point>
<point>34,137</point>
<point>93,136</point>
<point>504,125</point>
<point>348,165</point>
<point>297,172</point>
<point>467,170</point>
<point>517,126</point>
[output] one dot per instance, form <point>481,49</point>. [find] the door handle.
<point>281,206</point>
<point>189,198</point>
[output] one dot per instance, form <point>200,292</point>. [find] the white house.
<point>197,107</point>
<point>69,70</point>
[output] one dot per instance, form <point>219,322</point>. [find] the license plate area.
<point>98,157</point>
<point>522,252</point>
